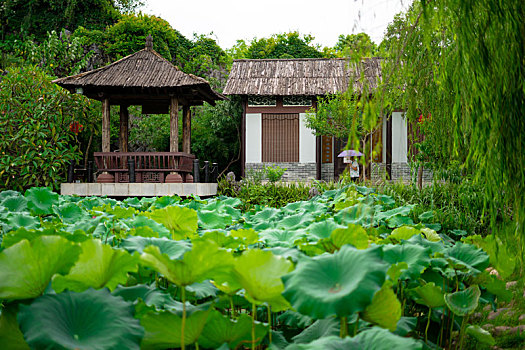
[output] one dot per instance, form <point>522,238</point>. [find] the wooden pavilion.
<point>144,78</point>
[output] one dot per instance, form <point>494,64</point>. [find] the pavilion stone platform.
<point>138,189</point>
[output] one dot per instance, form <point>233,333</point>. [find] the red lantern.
<point>75,127</point>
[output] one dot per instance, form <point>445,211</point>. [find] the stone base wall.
<point>294,171</point>
<point>400,172</point>
<point>327,171</point>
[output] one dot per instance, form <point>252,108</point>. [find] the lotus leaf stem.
<point>428,323</point>
<point>254,311</point>
<point>344,327</point>
<point>462,332</point>
<point>183,323</point>
<point>270,323</point>
<point>451,330</point>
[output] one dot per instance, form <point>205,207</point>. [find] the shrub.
<point>36,143</point>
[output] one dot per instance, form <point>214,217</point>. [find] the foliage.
<point>285,45</point>
<point>274,173</point>
<point>347,253</point>
<point>355,45</point>
<point>432,51</point>
<point>36,144</point>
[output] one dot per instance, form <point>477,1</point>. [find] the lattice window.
<point>280,137</point>
<point>297,101</point>
<point>262,101</point>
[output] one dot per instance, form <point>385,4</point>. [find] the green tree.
<point>36,143</point>
<point>360,45</point>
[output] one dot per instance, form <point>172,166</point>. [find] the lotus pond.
<point>345,270</point>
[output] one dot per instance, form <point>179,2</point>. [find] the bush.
<point>36,144</point>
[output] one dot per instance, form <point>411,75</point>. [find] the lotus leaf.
<point>182,222</point>
<point>498,287</point>
<point>320,328</point>
<point>327,343</point>
<point>466,255</point>
<point>41,200</point>
<point>265,215</point>
<point>14,237</point>
<point>15,204</point>
<point>429,295</point>
<point>221,238</point>
<point>16,221</point>
<point>248,236</point>
<point>202,289</point>
<point>377,338</point>
<point>353,234</point>
<point>150,295</point>
<point>464,302</point>
<point>8,193</point>
<point>204,261</point>
<point>88,320</point>
<point>396,270</point>
<point>70,213</point>
<point>338,284</point>
<point>430,234</point>
<point>322,229</point>
<point>213,219</point>
<point>117,211</point>
<point>426,216</point>
<point>385,309</point>
<point>220,329</point>
<point>173,249</point>
<point>98,266</point>
<point>296,221</point>
<point>294,319</point>
<point>398,221</point>
<point>400,211</point>
<point>359,214</point>
<point>27,267</point>
<point>280,238</point>
<point>165,201</point>
<point>405,325</point>
<point>498,253</point>
<point>163,329</point>
<point>142,231</point>
<point>11,337</point>
<point>481,335</point>
<point>402,233</point>
<point>143,221</point>
<point>435,247</point>
<point>259,273</point>
<point>415,256</point>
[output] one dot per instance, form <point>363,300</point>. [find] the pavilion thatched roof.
<point>302,76</point>
<point>143,77</point>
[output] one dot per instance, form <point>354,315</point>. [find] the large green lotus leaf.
<point>466,255</point>
<point>377,338</point>
<point>430,234</point>
<point>359,214</point>
<point>205,261</point>
<point>259,273</point>
<point>400,211</point>
<point>327,343</point>
<point>220,329</point>
<point>143,221</point>
<point>163,329</point>
<point>481,335</point>
<point>221,238</point>
<point>398,221</point>
<point>320,328</point>
<point>396,270</point>
<point>385,309</point>
<point>294,207</point>
<point>292,254</point>
<point>165,201</point>
<point>14,237</point>
<point>213,219</point>
<point>27,267</point>
<point>280,238</point>
<point>266,215</point>
<point>8,193</point>
<point>202,290</point>
<point>15,204</point>
<point>93,319</point>
<point>464,302</point>
<point>415,256</point>
<point>142,231</point>
<point>41,200</point>
<point>296,221</point>
<point>294,319</point>
<point>182,222</point>
<point>405,325</point>
<point>322,229</point>
<point>150,295</point>
<point>353,234</point>
<point>498,287</point>
<point>16,221</point>
<point>498,253</point>
<point>402,233</point>
<point>339,284</point>
<point>435,247</point>
<point>116,212</point>
<point>11,338</point>
<point>70,213</point>
<point>98,266</point>
<point>248,236</point>
<point>173,249</point>
<point>429,295</point>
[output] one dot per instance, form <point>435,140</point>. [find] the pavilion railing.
<point>144,166</point>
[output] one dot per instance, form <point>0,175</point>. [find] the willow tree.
<point>461,65</point>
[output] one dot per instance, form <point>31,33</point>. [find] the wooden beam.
<point>174,125</point>
<point>186,129</point>
<point>106,141</point>
<point>124,122</point>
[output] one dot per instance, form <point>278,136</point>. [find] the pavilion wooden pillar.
<point>124,122</point>
<point>186,135</point>
<point>106,141</point>
<point>174,138</point>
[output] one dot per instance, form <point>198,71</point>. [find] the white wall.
<point>253,138</point>
<point>306,142</point>
<point>399,138</point>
